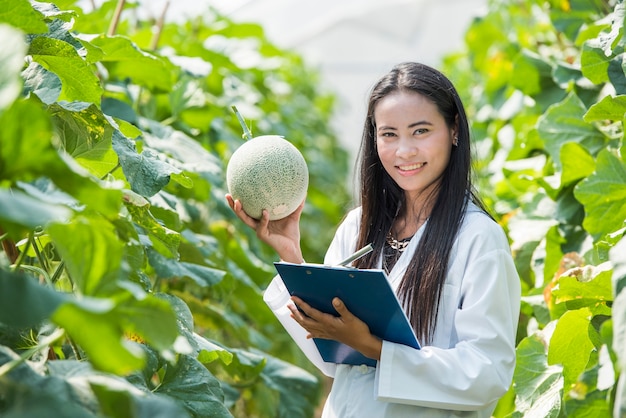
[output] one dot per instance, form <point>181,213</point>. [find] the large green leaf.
<point>95,327</point>
<point>145,172</point>
<point>537,384</point>
<point>25,393</point>
<point>603,194</point>
<point>24,302</point>
<point>585,286</point>
<point>92,253</point>
<point>191,384</point>
<point>298,389</point>
<point>169,268</point>
<point>562,123</point>
<point>576,162</point>
<point>20,14</point>
<point>79,83</point>
<point>25,142</point>
<point>85,134</point>
<point>20,212</point>
<point>609,108</point>
<point>569,347</point>
<point>115,396</point>
<point>126,61</point>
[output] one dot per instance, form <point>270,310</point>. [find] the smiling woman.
<point>452,269</point>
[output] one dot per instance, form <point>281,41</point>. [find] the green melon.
<point>268,172</point>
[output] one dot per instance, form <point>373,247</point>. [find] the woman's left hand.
<point>345,328</point>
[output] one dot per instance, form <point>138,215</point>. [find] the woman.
<point>448,261</point>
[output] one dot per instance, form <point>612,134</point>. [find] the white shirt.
<point>469,364</point>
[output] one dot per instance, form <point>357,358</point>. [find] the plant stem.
<point>22,255</point>
<point>57,272</point>
<point>154,42</point>
<point>246,131</point>
<point>40,257</point>
<point>116,17</point>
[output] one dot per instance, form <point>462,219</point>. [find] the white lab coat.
<point>469,364</point>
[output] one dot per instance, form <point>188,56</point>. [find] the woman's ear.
<point>455,131</point>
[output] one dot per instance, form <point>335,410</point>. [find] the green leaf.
<point>586,286</point>
<point>12,56</point>
<point>298,389</point>
<point>25,303</point>
<point>150,318</point>
<point>163,239</point>
<point>20,14</point>
<point>127,61</point>
<point>190,383</point>
<point>25,132</point>
<point>85,134</point>
<point>537,384</point>
<point>168,268</point>
<point>571,348</point>
<point>114,396</point>
<point>609,108</point>
<point>28,394</point>
<point>576,162</point>
<point>20,212</point>
<point>209,351</point>
<point>43,83</point>
<point>145,172</point>
<point>79,83</point>
<point>94,326</point>
<point>562,123</point>
<point>619,305</point>
<point>92,253</point>
<point>603,194</point>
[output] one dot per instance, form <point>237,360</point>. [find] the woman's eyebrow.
<point>421,122</point>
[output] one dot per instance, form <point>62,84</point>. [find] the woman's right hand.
<point>283,235</point>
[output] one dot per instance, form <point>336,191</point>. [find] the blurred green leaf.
<point>25,303</point>
<point>11,62</point>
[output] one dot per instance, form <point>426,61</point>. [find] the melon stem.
<point>246,131</point>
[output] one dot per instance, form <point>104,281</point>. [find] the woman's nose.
<point>406,148</point>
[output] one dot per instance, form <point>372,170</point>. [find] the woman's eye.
<point>387,134</point>
<point>420,131</point>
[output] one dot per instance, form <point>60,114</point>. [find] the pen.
<point>365,250</point>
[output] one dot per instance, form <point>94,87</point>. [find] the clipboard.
<point>365,292</point>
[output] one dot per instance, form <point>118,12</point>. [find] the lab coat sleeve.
<point>477,369</point>
<point>277,297</point>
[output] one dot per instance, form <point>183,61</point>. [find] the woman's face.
<point>413,141</point>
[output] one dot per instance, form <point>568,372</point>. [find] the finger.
<point>341,309</point>
<point>241,214</point>
<point>263,224</point>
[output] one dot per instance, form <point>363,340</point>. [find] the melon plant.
<point>267,173</point>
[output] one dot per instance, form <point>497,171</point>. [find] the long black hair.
<point>382,199</point>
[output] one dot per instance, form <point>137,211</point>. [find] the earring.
<point>456,141</point>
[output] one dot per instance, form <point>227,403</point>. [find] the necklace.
<point>400,245</point>
<point>392,251</point>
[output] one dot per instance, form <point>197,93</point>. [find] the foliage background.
<point>127,288</point>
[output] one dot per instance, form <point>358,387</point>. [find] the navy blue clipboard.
<point>366,293</point>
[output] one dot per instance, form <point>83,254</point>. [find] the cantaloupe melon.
<point>268,172</point>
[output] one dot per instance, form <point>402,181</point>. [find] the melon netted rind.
<point>268,172</point>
